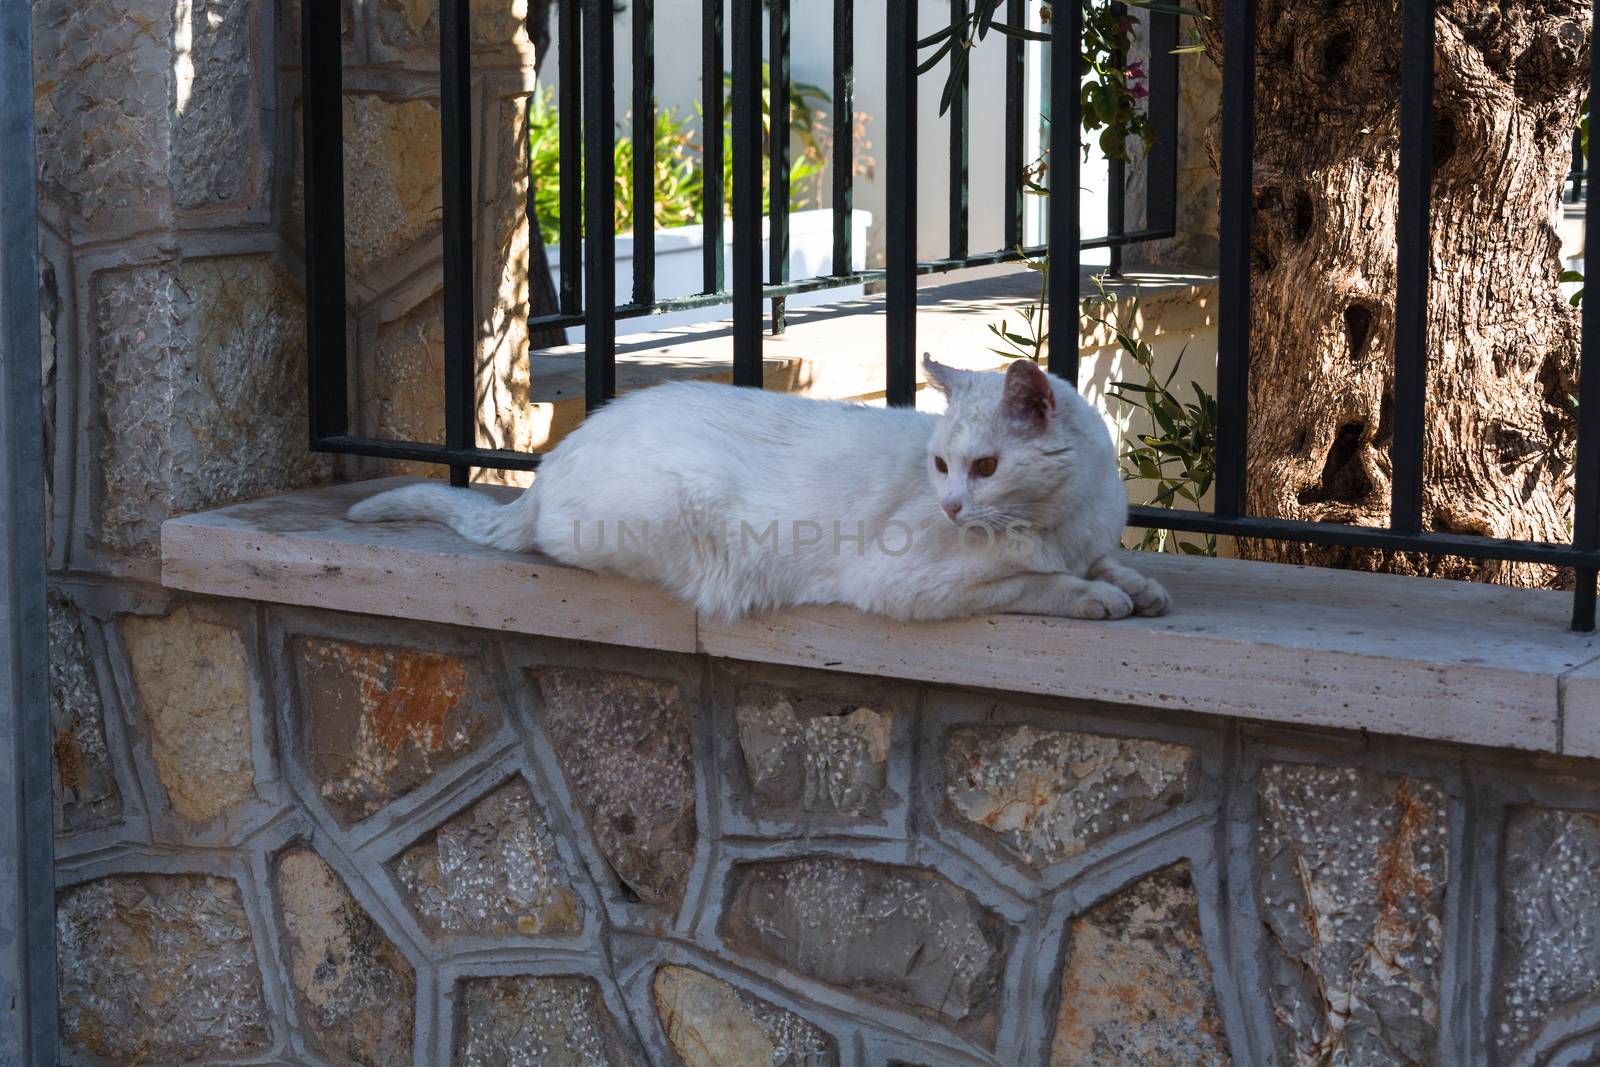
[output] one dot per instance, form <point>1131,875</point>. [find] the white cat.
<point>743,501</point>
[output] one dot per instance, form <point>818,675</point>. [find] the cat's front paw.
<point>1100,600</point>
<point>1151,599</point>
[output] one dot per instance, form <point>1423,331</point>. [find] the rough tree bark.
<point>1502,342</point>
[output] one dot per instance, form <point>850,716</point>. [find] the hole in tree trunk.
<point>1357,329</point>
<point>1304,215</point>
<point>1344,479</point>
<point>1446,136</point>
<point>1336,54</point>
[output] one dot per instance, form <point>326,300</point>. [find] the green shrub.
<point>679,159</point>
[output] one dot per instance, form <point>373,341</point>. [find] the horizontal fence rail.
<point>757,34</point>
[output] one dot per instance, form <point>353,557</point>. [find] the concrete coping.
<point>1416,657</point>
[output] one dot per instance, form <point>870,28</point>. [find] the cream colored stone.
<point>712,1024</point>
<point>356,992</point>
<point>306,557</point>
<point>705,1021</point>
<point>200,374</point>
<point>403,393</point>
<point>392,181</point>
<point>507,417</point>
<point>403,382</point>
<point>1450,661</point>
<point>194,688</point>
<point>1137,987</point>
<point>1048,795</point>
<point>413,26</point>
<point>158,969</point>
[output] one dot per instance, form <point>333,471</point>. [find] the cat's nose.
<point>952,508</point>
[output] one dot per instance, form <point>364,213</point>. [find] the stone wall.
<point>171,240</point>
<point>173,325</point>
<point>292,836</point>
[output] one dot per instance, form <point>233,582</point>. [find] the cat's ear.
<point>1028,398</point>
<point>948,380</point>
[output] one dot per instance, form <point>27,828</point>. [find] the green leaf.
<point>958,63</point>
<point>933,60</point>
<point>986,13</point>
<point>1168,9</point>
<point>1022,33</point>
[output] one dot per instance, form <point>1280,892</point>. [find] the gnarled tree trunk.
<point>1502,341</point>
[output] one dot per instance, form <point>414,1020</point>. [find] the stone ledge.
<point>1447,661</point>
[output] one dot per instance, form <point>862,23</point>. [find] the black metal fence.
<point>586,42</point>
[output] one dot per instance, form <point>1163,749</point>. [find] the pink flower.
<point>1125,24</point>
<point>1138,91</point>
<point>1135,71</point>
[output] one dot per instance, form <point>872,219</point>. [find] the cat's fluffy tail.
<point>471,514</point>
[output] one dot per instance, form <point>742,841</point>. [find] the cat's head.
<point>1003,452</point>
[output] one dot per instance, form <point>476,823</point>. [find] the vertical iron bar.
<point>1116,210</point>
<point>746,150</point>
<point>1016,71</point>
<point>323,92</point>
<point>844,128</point>
<point>712,203</point>
<point>778,135</point>
<point>644,162</point>
<point>1580,168</point>
<point>960,105</point>
<point>1411,273</point>
<point>1237,200</point>
<point>900,176</point>
<point>1586,475</point>
<point>1066,105</point>
<point>599,204</point>
<point>569,113</point>
<point>27,772</point>
<point>1161,160</point>
<point>1117,170</point>
<point>460,328</point>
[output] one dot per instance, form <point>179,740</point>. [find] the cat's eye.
<point>982,468</point>
<point>939,465</point>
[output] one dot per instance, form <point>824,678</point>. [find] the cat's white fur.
<point>682,484</point>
